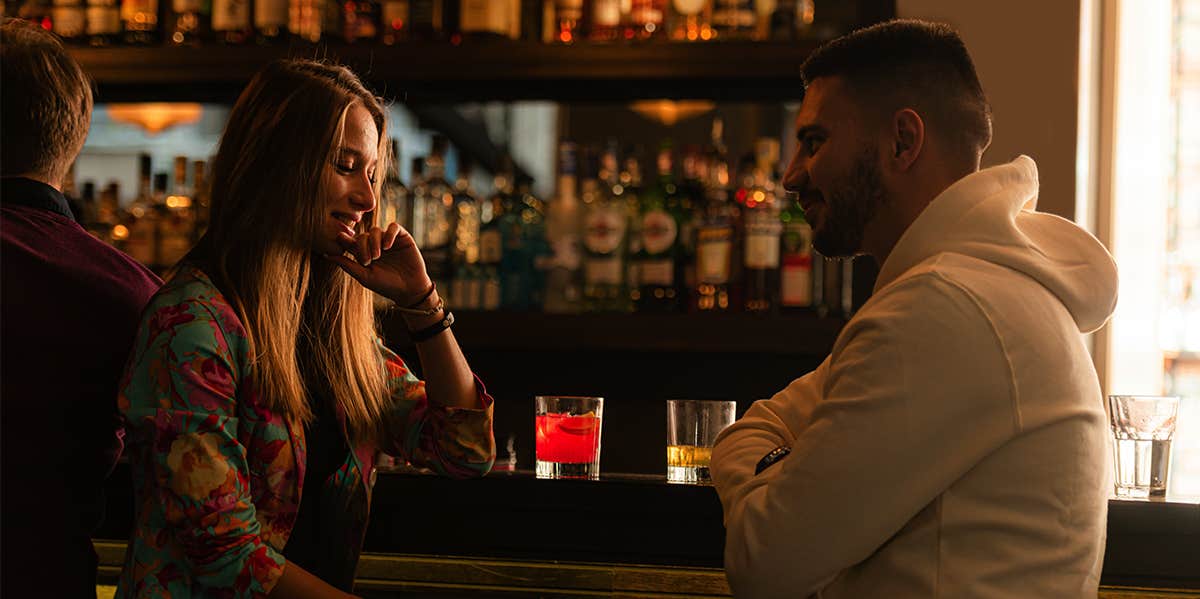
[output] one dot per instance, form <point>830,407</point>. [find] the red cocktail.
<point>568,437</point>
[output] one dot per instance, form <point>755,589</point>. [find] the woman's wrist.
<point>416,322</point>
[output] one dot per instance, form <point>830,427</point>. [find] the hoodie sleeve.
<point>914,393</point>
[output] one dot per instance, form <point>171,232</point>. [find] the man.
<point>69,308</point>
<point>954,442</point>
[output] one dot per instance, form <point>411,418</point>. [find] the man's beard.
<point>848,209</point>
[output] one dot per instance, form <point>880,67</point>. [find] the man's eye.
<point>812,143</point>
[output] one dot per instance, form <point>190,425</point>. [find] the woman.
<point>258,391</point>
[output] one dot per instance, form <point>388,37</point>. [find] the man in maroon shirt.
<point>69,309</point>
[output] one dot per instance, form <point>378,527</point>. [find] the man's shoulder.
<point>58,247</point>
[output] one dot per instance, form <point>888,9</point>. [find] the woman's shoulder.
<point>191,293</point>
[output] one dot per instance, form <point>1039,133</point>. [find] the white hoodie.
<point>954,444</point>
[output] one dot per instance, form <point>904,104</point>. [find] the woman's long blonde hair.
<point>299,311</point>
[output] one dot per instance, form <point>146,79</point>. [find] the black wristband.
<point>772,456</point>
<point>432,330</point>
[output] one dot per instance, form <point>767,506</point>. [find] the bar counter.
<point>512,535</point>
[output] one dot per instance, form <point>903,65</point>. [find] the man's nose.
<point>795,178</point>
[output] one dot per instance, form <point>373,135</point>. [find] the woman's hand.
<point>387,262</point>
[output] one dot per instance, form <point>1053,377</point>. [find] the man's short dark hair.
<point>45,102</point>
<point>914,64</point>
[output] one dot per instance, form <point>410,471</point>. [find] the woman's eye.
<point>372,178</point>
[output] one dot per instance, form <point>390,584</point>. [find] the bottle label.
<point>491,293</point>
<point>270,13</point>
<point>714,250</point>
<point>103,19</point>
<point>762,241</point>
<point>484,16</point>
<point>797,270</point>
<point>491,246</point>
<point>68,20</point>
<point>182,6</point>
<point>689,7</point>
<point>131,8</point>
<point>603,230</point>
<point>606,13</point>
<point>230,15</point>
<point>658,231</point>
<point>602,271</point>
<point>657,272</point>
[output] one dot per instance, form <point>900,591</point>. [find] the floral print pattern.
<point>217,477</point>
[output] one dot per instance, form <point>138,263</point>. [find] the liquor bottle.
<point>103,22</point>
<point>718,264</point>
<point>485,19</point>
<point>568,15</point>
<point>70,21</point>
<point>491,239</point>
<point>762,230</point>
<point>140,21</point>
<point>605,242</point>
<point>432,214</point>
<point>691,20</point>
<point>791,20</point>
<point>306,18</point>
<point>649,19</point>
<point>271,18</point>
<point>605,23</point>
<point>734,19</point>
<point>89,218</point>
<point>426,19</point>
<point>660,257</point>
<point>108,213</point>
<point>796,260</point>
<point>189,22</point>
<point>629,189</point>
<point>523,230</point>
<point>231,21</point>
<point>827,285</point>
<point>563,284</point>
<point>692,191</point>
<point>202,199</point>
<point>360,21</point>
<point>177,221</point>
<point>394,21</point>
<point>394,197</point>
<point>465,285</point>
<point>532,20</point>
<point>141,219</point>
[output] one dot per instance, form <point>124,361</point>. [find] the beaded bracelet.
<point>412,308</point>
<point>432,330</point>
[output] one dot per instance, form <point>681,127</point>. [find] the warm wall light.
<point>155,117</point>
<point>669,112</point>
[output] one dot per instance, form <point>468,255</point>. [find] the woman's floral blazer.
<point>217,477</point>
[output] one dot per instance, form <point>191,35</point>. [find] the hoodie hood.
<point>990,215</point>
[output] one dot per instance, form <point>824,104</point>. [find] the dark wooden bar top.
<point>628,535</point>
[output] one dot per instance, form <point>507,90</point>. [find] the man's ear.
<point>907,132</point>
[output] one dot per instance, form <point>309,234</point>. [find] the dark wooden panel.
<point>500,70</point>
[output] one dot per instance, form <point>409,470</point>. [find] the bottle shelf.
<point>737,333</point>
<point>416,72</point>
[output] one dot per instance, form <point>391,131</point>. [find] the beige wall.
<point>1027,56</point>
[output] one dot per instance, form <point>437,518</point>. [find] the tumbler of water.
<point>1142,426</point>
